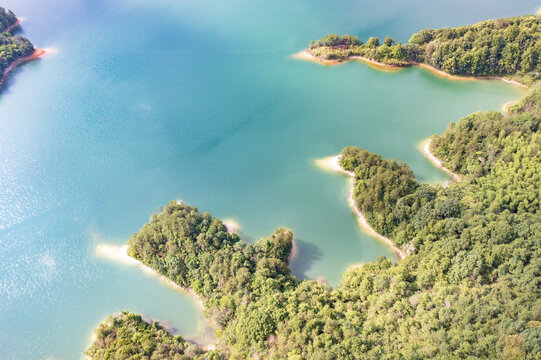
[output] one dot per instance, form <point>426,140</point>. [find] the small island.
<point>469,284</point>
<point>14,49</point>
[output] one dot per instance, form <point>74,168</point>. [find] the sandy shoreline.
<point>120,254</point>
<point>332,163</point>
<point>231,225</point>
<point>305,55</point>
<point>425,145</point>
<point>205,338</point>
<point>35,55</point>
<point>461,77</point>
<point>507,104</point>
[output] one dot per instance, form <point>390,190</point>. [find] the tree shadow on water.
<point>306,254</point>
<point>245,238</point>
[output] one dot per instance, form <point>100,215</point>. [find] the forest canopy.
<point>12,47</point>
<point>7,19</point>
<point>148,340</point>
<point>470,287</point>
<point>505,47</point>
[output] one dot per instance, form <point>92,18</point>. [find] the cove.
<point>199,101</point>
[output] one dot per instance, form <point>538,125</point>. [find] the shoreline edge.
<point>332,163</point>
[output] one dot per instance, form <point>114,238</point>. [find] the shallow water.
<point>145,102</point>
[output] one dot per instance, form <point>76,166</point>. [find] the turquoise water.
<point>145,102</point>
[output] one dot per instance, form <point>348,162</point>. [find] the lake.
<point>139,103</point>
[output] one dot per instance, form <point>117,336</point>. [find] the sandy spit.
<point>305,55</point>
<point>231,225</point>
<point>35,55</point>
<point>120,254</point>
<point>425,145</point>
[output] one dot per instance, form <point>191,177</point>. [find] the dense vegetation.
<point>12,47</point>
<point>470,287</point>
<point>196,251</point>
<point>147,341</point>
<point>504,47</point>
<point>475,144</point>
<point>7,19</point>
<point>476,243</point>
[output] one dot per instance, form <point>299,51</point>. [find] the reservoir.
<point>138,103</point>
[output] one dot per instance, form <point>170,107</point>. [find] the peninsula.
<point>504,49</point>
<point>469,285</point>
<point>14,49</point>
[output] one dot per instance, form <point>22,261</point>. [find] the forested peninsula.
<point>14,49</point>
<point>508,48</point>
<point>470,286</point>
